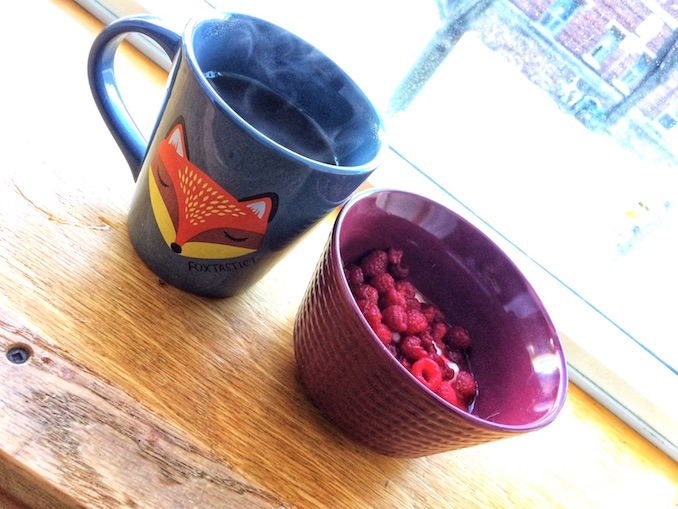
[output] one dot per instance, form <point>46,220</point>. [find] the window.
<point>604,48</point>
<point>558,14</point>
<point>632,77</point>
<point>667,121</point>
<point>524,133</point>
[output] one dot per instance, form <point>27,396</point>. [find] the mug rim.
<point>191,58</point>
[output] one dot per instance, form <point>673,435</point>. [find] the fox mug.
<point>260,136</point>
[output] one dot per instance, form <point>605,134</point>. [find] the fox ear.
<point>259,208</point>
<point>261,204</point>
<point>176,139</point>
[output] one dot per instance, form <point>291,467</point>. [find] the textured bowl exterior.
<point>362,389</point>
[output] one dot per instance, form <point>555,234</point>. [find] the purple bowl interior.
<point>516,357</point>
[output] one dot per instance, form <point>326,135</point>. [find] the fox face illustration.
<point>196,216</point>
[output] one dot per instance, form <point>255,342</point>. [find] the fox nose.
<point>175,247</point>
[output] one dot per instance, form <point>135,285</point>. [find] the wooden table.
<point>138,395</point>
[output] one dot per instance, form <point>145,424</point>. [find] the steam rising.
<point>281,62</point>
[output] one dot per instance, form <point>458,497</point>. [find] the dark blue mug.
<point>260,136</point>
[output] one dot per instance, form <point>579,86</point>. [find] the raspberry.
<point>416,322</point>
<point>429,311</point>
<point>447,392</point>
<point>458,337</point>
<point>439,360</point>
<point>354,275</point>
<point>438,331</point>
<point>413,304</point>
<point>413,330</point>
<point>370,311</point>
<point>449,368</point>
<point>406,288</point>
<point>395,264</point>
<point>465,384</point>
<point>456,356</point>
<point>433,314</point>
<point>383,282</point>
<point>384,333</point>
<point>395,256</point>
<point>374,263</point>
<point>366,292</point>
<point>399,271</point>
<point>426,342</point>
<point>411,348</point>
<point>392,298</point>
<point>396,318</point>
<point>427,371</point>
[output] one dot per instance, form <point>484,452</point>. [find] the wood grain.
<point>139,395</point>
<point>109,447</point>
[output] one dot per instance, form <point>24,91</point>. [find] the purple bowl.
<point>359,386</point>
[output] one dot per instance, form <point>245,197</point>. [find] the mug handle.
<point>105,89</point>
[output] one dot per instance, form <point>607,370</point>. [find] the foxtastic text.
<point>220,267</point>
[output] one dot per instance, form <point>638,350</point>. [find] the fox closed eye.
<point>235,239</point>
<point>162,182</point>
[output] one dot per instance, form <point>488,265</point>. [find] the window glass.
<point>535,154</point>
<point>553,123</point>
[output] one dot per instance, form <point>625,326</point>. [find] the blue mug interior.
<point>295,70</point>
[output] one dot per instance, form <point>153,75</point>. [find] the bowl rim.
<point>392,361</point>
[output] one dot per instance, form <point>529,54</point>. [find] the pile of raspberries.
<point>414,330</point>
